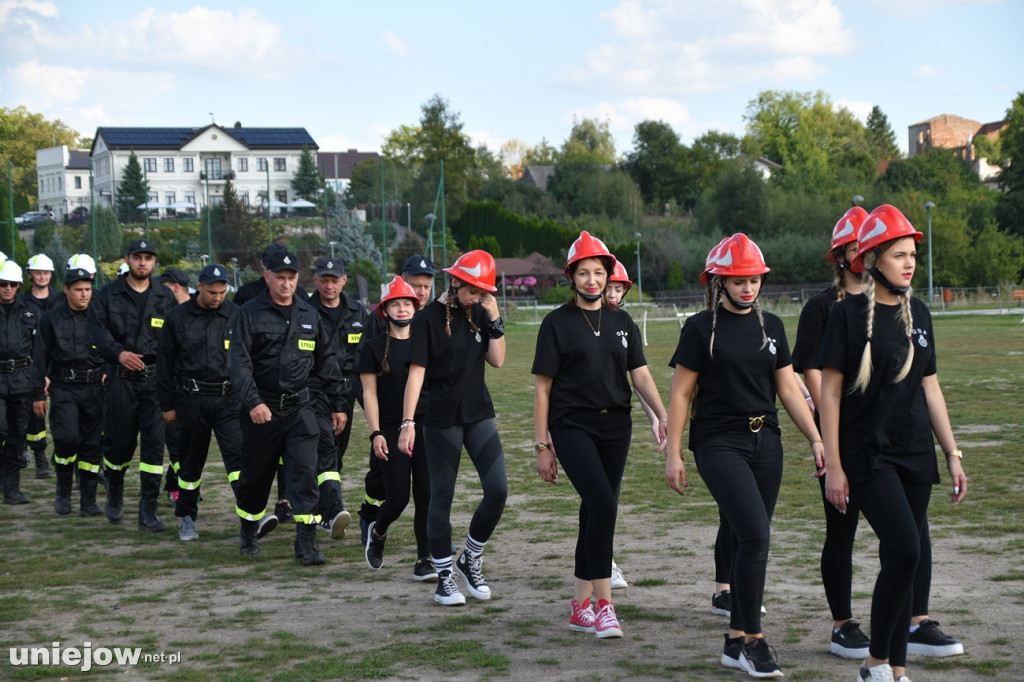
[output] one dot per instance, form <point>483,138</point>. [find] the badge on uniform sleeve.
<point>157,322</point>
<point>307,344</point>
<point>227,344</point>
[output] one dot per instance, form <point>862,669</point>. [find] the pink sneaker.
<point>605,623</point>
<point>582,617</point>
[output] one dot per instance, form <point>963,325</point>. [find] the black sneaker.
<point>929,640</point>
<point>471,571</point>
<point>758,660</point>
<point>283,511</point>
<point>721,604</point>
<point>731,653</point>
<point>424,571</point>
<point>447,591</point>
<point>849,641</point>
<point>374,548</point>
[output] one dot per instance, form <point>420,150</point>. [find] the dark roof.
<point>989,128</point>
<point>176,138</point>
<point>538,176</point>
<point>78,159</point>
<point>326,162</point>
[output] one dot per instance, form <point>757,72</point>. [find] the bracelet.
<point>955,453</point>
<point>816,441</point>
<point>496,328</point>
<point>407,424</point>
<point>375,434</point>
<point>541,446</point>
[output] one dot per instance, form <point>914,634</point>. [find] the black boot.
<point>248,543</point>
<point>88,506</point>
<point>65,478</point>
<point>115,496</point>
<point>12,488</point>
<point>42,464</point>
<point>149,492</point>
<point>306,549</point>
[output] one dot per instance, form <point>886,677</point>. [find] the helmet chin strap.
<point>742,305</point>
<point>877,275</point>
<point>399,323</point>
<point>454,296</point>
<point>589,298</point>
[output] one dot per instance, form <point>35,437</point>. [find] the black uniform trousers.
<point>200,416</point>
<point>14,412</point>
<point>36,433</point>
<point>328,459</point>
<point>76,412</point>
<point>133,414</point>
<point>291,435</point>
<point>172,438</point>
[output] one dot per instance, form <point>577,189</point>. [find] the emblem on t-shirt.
<point>623,337</point>
<point>922,337</point>
<point>771,346</point>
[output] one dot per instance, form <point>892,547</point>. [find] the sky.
<point>350,72</point>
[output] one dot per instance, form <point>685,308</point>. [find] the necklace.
<point>597,332</point>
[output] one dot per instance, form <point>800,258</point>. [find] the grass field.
<point>73,580</point>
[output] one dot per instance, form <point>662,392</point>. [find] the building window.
<point>186,165</point>
<point>168,165</point>
<point>149,165</point>
<point>169,197</point>
<point>244,196</point>
<point>78,182</point>
<point>60,183</point>
<point>261,165</point>
<point>280,165</point>
<point>190,197</point>
<point>243,164</point>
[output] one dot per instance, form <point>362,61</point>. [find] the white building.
<point>173,160</point>
<point>63,179</point>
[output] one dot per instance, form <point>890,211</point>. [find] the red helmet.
<point>845,230</point>
<point>739,257</point>
<point>586,246</point>
<point>619,275</point>
<point>710,260</point>
<point>475,268</point>
<point>883,224</point>
<point>396,288</point>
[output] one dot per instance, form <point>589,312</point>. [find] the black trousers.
<point>199,417</point>
<point>592,450</point>
<point>14,412</point>
<point>76,413</point>
<point>328,469</point>
<point>396,475</point>
<point>133,414</point>
<point>36,433</point>
<point>172,438</point>
<point>291,435</point>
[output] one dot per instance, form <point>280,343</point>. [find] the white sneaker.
<point>337,525</point>
<point>447,591</point>
<point>618,580</point>
<point>879,673</point>
<point>187,530</point>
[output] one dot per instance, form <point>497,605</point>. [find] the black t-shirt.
<point>139,298</point>
<point>888,423</point>
<point>455,364</point>
<point>738,381</point>
<point>589,372</point>
<point>811,329</point>
<point>390,386</point>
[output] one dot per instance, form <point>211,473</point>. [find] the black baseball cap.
<point>418,265</point>
<point>330,266</point>
<point>76,275</point>
<point>141,246</point>
<point>213,273</point>
<point>282,260</point>
<point>174,276</point>
<point>270,251</point>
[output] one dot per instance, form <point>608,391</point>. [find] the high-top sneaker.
<point>447,591</point>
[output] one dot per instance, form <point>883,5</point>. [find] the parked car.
<point>33,218</point>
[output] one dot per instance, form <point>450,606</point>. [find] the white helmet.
<point>11,272</point>
<point>123,269</point>
<point>83,261</point>
<point>40,261</point>
<point>3,256</point>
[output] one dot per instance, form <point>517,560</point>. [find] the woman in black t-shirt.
<point>452,338</point>
<point>737,358</point>
<point>581,406</point>
<point>880,403</point>
<point>383,372</point>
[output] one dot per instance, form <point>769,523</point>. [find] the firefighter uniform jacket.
<point>117,325</point>
<point>347,331</point>
<point>273,354</point>
<point>194,345</point>
<point>70,355</point>
<point>21,350</point>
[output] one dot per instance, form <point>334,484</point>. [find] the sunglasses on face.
<point>9,285</point>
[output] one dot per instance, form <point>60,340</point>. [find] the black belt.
<point>8,366</point>
<point>206,387</point>
<point>284,400</point>
<point>136,374</point>
<point>81,376</point>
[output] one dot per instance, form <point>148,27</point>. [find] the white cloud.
<point>394,43</point>
<point>42,86</point>
<point>926,71</point>
<point>623,116</point>
<point>907,8</point>
<point>858,108</point>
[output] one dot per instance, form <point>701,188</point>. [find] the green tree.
<point>488,244</point>
<point>109,235</point>
<point>237,231</point>
<point>881,136</point>
<point>1010,207</point>
<point>590,142</point>
<point>739,201</point>
<point>656,163</point>
<point>21,134</point>
<point>132,190</point>
<point>541,155</point>
<point>306,180</point>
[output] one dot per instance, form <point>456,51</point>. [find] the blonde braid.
<point>760,319</point>
<point>707,297</point>
<point>864,373</point>
<point>717,285</point>
<point>839,282</point>
<point>385,367</point>
<point>908,324</point>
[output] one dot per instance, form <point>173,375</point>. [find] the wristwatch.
<point>955,453</point>
<point>541,446</point>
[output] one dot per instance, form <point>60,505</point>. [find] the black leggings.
<point>897,510</point>
<point>592,450</point>
<point>444,451</point>
<point>743,472</point>
<point>396,472</point>
<point>725,547</point>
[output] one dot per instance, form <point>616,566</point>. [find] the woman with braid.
<point>452,338</point>
<point>737,358</point>
<point>880,404</point>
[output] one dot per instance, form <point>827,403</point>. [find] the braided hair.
<point>906,317</point>
<point>717,285</point>
<point>385,367</point>
<point>450,298</point>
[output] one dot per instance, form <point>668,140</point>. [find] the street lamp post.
<point>332,248</point>
<point>430,246</point>
<point>325,214</point>
<point>145,185</point>
<point>234,271</point>
<point>205,175</point>
<point>639,279</point>
<point>204,258</point>
<point>931,290</point>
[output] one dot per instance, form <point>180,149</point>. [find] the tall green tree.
<point>132,190</point>
<point>307,180</point>
<point>23,132</point>
<point>541,155</point>
<point>881,136</point>
<point>109,235</point>
<point>237,231</point>
<point>1010,207</point>
<point>656,163</point>
<point>589,141</point>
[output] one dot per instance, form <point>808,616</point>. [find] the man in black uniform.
<point>21,358</point>
<point>195,393</point>
<point>75,370</point>
<point>344,318</point>
<point>125,320</point>
<point>277,344</point>
<point>40,298</point>
<point>176,280</point>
